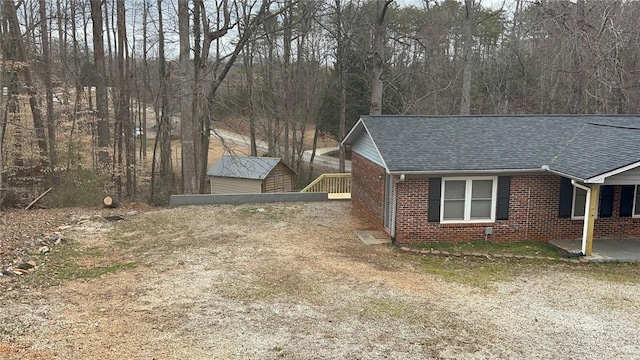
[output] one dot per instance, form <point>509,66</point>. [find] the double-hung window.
<point>579,202</point>
<point>468,199</point>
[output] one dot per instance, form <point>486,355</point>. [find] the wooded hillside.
<point>103,95</point>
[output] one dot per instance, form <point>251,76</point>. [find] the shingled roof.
<point>245,167</point>
<point>579,146</point>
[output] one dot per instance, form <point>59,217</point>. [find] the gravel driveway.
<point>292,281</point>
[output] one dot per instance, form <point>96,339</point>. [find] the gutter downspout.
<point>395,207</point>
<point>585,228</point>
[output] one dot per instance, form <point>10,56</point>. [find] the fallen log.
<point>38,198</point>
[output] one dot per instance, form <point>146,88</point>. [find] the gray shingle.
<point>246,167</point>
<point>453,143</point>
<point>597,149</point>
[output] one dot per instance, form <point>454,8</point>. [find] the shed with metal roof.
<point>250,175</point>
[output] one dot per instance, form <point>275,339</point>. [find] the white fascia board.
<point>547,169</point>
<point>599,179</point>
<point>353,132</point>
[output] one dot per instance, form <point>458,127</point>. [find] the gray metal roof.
<point>581,146</point>
<point>245,167</point>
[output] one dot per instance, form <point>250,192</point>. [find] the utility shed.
<point>250,175</point>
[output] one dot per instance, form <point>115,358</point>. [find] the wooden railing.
<point>338,185</point>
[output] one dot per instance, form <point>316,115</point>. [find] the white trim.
<point>633,209</point>
<point>585,221</point>
<point>599,179</point>
<point>573,204</point>
<point>556,172</point>
<point>467,199</point>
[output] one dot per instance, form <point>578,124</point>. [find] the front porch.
<point>605,250</point>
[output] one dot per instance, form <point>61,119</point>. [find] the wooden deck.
<point>338,186</point>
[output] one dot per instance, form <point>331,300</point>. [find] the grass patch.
<point>486,247</point>
<point>472,271</point>
<point>622,273</point>
<point>68,262</point>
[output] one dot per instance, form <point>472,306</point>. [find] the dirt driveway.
<point>293,281</point>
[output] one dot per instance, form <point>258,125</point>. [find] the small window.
<point>636,203</point>
<point>468,200</point>
<point>579,202</point>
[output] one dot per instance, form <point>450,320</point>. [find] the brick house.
<point>501,178</point>
<point>250,175</point>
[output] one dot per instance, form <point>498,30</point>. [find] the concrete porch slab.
<point>622,250</point>
<point>373,237</point>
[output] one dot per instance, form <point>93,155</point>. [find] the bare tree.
<point>48,86</point>
<point>20,56</point>
<point>467,46</point>
<point>124,120</point>
<point>379,44</point>
<point>222,66</point>
<point>189,167</point>
<point>101,84</point>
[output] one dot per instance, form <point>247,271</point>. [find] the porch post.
<point>591,217</point>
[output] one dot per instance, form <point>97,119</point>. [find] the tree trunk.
<point>340,60</point>
<point>20,55</point>
<point>101,85</point>
<point>164,126</point>
<point>379,43</point>
<point>578,72</point>
<point>189,172</point>
<point>48,87</point>
<point>247,57</point>
<point>145,25</point>
<point>124,110</point>
<point>465,102</point>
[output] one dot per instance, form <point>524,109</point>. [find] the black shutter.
<point>434,199</point>
<point>566,198</point>
<point>504,191</point>
<point>626,200</point>
<point>606,201</point>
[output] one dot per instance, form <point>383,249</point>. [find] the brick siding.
<point>533,212</point>
<point>367,189</point>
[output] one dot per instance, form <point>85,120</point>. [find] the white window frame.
<point>573,205</point>
<point>633,210</point>
<point>467,199</point>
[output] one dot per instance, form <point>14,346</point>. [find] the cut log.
<point>110,202</point>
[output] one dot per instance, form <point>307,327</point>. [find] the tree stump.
<point>109,202</point>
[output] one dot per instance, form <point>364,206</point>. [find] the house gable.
<point>364,146</point>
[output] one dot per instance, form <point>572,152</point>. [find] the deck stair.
<point>337,185</point>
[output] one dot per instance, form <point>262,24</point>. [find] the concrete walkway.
<point>622,250</point>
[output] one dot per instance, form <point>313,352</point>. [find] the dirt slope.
<point>292,281</point>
